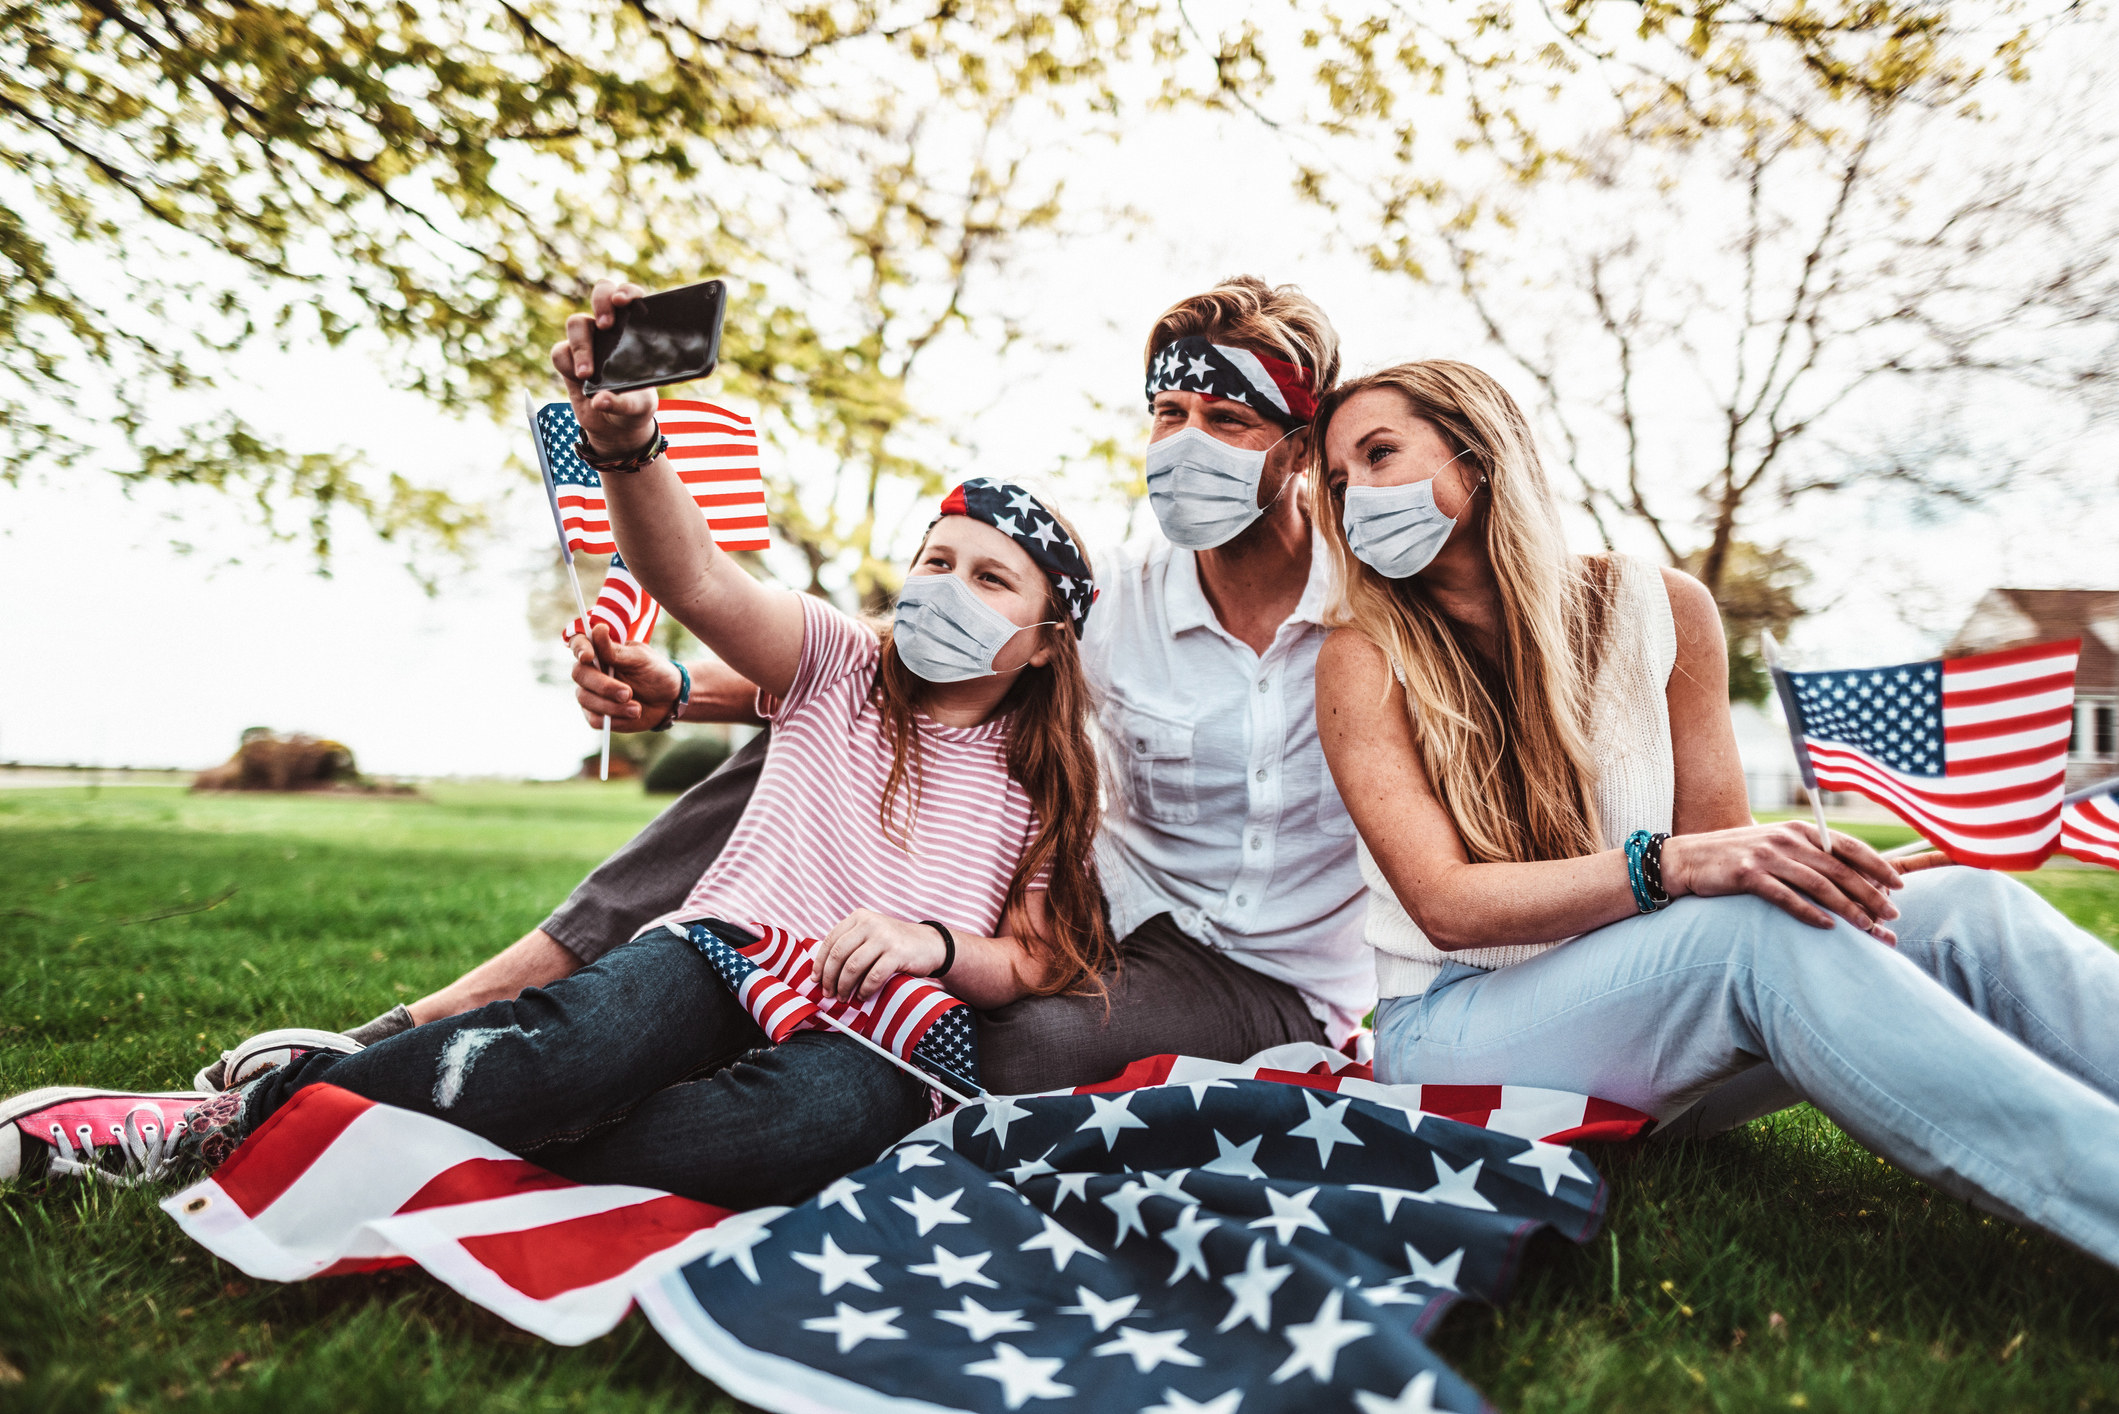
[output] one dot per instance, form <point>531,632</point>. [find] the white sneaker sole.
<point>14,1107</point>
<point>253,1057</point>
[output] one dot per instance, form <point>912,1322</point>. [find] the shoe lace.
<point>143,1151</point>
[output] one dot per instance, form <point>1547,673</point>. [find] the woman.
<point>1565,886</point>
<point>940,770</point>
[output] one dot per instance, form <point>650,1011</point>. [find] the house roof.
<point>2008,618</point>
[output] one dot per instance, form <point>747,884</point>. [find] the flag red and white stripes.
<point>622,606</point>
<point>715,451</point>
<point>784,994</point>
<point>2089,827</point>
<point>2004,726</point>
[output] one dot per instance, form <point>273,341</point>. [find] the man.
<point>1226,858</point>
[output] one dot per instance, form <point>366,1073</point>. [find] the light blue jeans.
<point>1981,1054</point>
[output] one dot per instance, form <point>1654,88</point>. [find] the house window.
<point>2104,733</point>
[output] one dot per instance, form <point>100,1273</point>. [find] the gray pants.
<point>1169,994</point>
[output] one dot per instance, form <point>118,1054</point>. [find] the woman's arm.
<point>755,628</point>
<point>867,949</point>
<point>1368,742</point>
<point>1710,774</point>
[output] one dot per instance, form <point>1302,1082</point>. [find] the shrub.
<point>688,761</point>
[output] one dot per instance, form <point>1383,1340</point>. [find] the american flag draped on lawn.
<point>715,451</point>
<point>1972,752</point>
<point>1275,1235</point>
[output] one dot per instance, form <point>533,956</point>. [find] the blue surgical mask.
<point>1203,491</point>
<point>1397,530</point>
<point>944,632</point>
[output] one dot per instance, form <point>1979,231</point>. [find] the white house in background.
<point>2006,618</point>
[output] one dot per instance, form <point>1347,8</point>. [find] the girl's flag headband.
<point>1023,518</point>
<point>1272,387</point>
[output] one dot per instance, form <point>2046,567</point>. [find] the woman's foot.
<point>117,1136</point>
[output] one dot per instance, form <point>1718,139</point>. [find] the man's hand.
<point>627,682</point>
<point>613,423</point>
<point>867,949</point>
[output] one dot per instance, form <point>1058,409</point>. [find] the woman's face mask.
<point>1398,530</point>
<point>1203,491</point>
<point>944,632</point>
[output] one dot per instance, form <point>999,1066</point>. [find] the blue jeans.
<point>640,1068</point>
<point>1982,1054</point>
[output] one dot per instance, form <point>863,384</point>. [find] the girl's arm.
<point>867,949</point>
<point>1368,742</point>
<point>755,628</point>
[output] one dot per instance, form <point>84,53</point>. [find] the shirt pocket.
<point>1159,771</point>
<point>1332,818</point>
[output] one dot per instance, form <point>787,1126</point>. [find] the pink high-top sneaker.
<point>117,1136</point>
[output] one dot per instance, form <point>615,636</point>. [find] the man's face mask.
<point>1397,530</point>
<point>944,632</point>
<point>1203,491</point>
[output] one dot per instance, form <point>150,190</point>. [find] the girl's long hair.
<point>1504,734</point>
<point>1050,756</point>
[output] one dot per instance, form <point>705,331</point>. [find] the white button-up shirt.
<point>1220,810</point>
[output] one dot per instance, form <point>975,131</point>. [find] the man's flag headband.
<point>1023,518</point>
<point>1272,387</point>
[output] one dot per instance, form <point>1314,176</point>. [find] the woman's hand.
<point>613,423</point>
<point>1783,865</point>
<point>626,682</point>
<point>867,949</point>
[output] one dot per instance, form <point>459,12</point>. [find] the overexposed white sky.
<point>133,651</point>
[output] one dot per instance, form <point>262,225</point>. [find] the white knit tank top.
<point>1634,789</point>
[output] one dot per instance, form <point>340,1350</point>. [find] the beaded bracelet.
<point>1644,870</point>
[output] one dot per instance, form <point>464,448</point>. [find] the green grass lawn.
<point>141,928</point>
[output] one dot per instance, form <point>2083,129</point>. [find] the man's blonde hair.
<point>1269,319</point>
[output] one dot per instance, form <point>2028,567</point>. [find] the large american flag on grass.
<point>1274,1235</point>
<point>1971,752</point>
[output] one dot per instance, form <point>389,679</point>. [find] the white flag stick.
<point>1771,652</point>
<point>603,769</point>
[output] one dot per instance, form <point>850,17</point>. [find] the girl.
<point>1566,888</point>
<point>940,770</point>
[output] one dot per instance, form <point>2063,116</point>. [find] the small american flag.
<point>2089,824</point>
<point>622,606</point>
<point>1972,752</point>
<point>914,1018</point>
<point>716,454</point>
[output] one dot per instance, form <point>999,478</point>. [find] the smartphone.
<point>670,337</point>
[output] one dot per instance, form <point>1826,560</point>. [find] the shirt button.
<point>1140,743</point>
<point>1261,775</point>
<point>1257,843</point>
<point>1243,901</point>
<point>1265,684</point>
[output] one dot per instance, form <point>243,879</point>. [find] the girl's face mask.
<point>1398,530</point>
<point>944,632</point>
<point>1203,491</point>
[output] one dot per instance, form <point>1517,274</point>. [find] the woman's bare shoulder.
<point>1351,654</point>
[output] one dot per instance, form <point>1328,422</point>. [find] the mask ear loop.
<point>1293,476</point>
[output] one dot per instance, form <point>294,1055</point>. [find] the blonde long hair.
<point>1050,754</point>
<point>1504,735</point>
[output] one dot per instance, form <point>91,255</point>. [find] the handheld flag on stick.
<point>716,454</point>
<point>2089,823</point>
<point>1971,752</point>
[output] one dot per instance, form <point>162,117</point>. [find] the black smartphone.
<point>670,337</point>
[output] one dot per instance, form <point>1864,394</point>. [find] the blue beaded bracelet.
<point>1647,896</point>
<point>684,697</point>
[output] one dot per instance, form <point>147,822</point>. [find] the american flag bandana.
<point>2089,824</point>
<point>773,974</point>
<point>1023,518</point>
<point>1274,1235</point>
<point>1971,752</point>
<point>1272,387</point>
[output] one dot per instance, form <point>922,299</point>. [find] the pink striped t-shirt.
<point>810,848</point>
